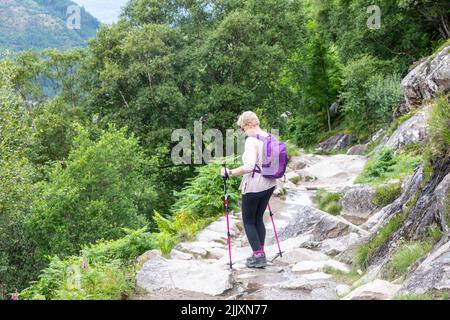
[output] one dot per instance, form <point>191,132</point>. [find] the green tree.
<point>54,126</point>
<point>314,75</point>
<point>408,28</point>
<point>17,264</point>
<point>100,190</point>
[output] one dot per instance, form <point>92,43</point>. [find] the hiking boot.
<point>257,261</point>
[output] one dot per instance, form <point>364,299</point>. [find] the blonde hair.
<point>248,118</point>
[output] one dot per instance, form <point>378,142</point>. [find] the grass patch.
<point>388,165</point>
<point>295,179</point>
<point>435,233</point>
<point>405,256</point>
<point>346,277</point>
<point>423,296</point>
<point>103,271</point>
<point>292,150</point>
<point>386,194</point>
<point>365,252</point>
<point>328,201</point>
<point>439,126</point>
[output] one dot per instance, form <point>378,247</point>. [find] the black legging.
<point>253,207</point>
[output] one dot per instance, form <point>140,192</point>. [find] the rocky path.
<point>312,241</point>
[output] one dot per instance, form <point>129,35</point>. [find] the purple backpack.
<point>275,158</point>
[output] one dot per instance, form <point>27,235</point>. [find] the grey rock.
<point>333,247</point>
<point>300,254</point>
<point>375,290</point>
<point>411,131</point>
<point>321,265</point>
<point>321,225</point>
<point>335,107</point>
<point>188,275</point>
<point>428,78</point>
<point>433,274</point>
<point>357,203</point>
<point>148,256</point>
<point>441,197</point>
<point>296,163</point>
<point>178,255</point>
<point>401,109</point>
<point>359,149</point>
<point>342,290</point>
<point>410,186</point>
<point>336,142</point>
<point>304,284</point>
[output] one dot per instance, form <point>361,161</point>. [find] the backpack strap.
<point>257,169</point>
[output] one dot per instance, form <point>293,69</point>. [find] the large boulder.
<point>375,290</point>
<point>309,266</point>
<point>357,203</point>
<point>409,188</point>
<point>411,131</point>
<point>433,274</point>
<point>301,254</point>
<point>428,78</point>
<point>189,275</point>
<point>320,225</point>
<point>336,142</point>
<point>442,201</point>
<point>359,149</point>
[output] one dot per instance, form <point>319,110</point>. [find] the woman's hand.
<point>222,171</point>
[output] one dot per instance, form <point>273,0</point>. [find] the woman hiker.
<point>256,189</point>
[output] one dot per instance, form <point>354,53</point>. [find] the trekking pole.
<point>280,253</point>
<point>226,212</point>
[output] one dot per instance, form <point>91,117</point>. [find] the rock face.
<point>411,131</point>
<point>401,109</point>
<point>375,290</point>
<point>359,149</point>
<point>429,77</point>
<point>432,274</point>
<point>336,142</point>
<point>442,201</point>
<point>321,225</point>
<point>190,275</point>
<point>357,203</point>
<point>410,187</point>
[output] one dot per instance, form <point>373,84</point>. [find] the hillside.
<point>39,24</point>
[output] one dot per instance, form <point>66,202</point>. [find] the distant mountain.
<point>39,24</point>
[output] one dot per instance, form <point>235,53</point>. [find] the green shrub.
<point>295,179</point>
<point>385,195</point>
<point>369,95</point>
<point>125,249</point>
<point>292,150</point>
<point>303,130</point>
<point>406,255</point>
<point>101,190</point>
<point>439,126</point>
<point>365,252</point>
<point>387,165</point>
<point>69,280</point>
<point>328,201</point>
<point>199,204</point>
<point>109,272</point>
<point>203,195</point>
<point>435,233</point>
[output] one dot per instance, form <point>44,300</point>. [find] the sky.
<point>107,11</point>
